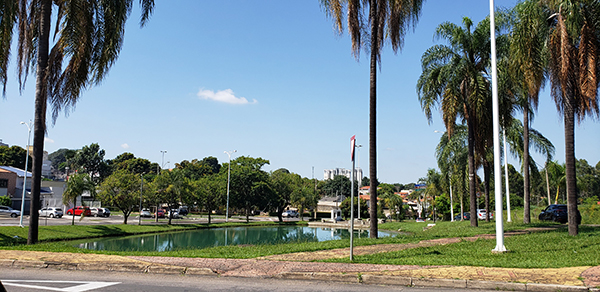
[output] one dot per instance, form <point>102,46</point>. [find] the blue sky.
<point>269,79</point>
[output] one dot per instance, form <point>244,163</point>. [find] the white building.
<point>331,173</point>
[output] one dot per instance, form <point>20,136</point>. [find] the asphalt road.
<point>32,280</point>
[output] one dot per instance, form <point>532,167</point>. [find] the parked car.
<point>557,213</point>
<point>160,213</point>
<point>420,220</point>
<point>290,214</point>
<point>51,212</point>
<point>481,213</point>
<point>79,210</point>
<point>183,211</point>
<point>175,214</point>
<point>106,212</point>
<point>466,216</point>
<point>100,212</point>
<point>145,213</point>
<point>8,211</point>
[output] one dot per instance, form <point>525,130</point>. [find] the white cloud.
<point>124,146</point>
<point>46,139</point>
<point>225,96</point>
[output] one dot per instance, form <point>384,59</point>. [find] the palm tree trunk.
<point>571,180</point>
<point>40,119</point>
<point>487,170</point>
<point>472,180</point>
<point>526,195</point>
<point>373,118</point>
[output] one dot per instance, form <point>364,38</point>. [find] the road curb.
<point>493,285</point>
<point>328,277</point>
<point>386,280</point>
<point>553,288</point>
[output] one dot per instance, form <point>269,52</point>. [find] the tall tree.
<point>249,186</point>
<point>384,19</point>
<point>454,76</point>
<point>574,44</point>
<point>528,56</point>
<point>87,39</point>
<point>173,188</point>
<point>90,159</point>
<point>122,190</point>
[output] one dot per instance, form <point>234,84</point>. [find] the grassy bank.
<point>554,248</point>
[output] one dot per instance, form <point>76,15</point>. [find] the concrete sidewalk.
<point>562,279</point>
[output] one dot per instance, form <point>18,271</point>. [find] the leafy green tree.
<point>588,179</point>
<point>283,184</point>
<point>249,185</point>
<point>61,157</point>
<point>452,157</point>
<point>5,201</point>
<point>88,40</point>
<point>77,184</point>
<point>209,192</point>
<point>574,43</point>
<point>122,190</point>
<point>339,186</point>
<point>304,195</point>
<point>199,168</point>
<point>128,161</point>
<point>172,188</point>
<point>90,159</point>
<point>364,209</point>
<point>394,203</point>
<point>14,156</point>
<point>374,20</point>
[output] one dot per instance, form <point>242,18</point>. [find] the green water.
<point>203,238</point>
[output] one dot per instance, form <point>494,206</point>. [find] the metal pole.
<point>228,178</point>
<point>162,162</point>
<point>352,203</point>
<point>497,170</point>
<point>141,190</point>
<point>359,179</point>
<point>506,179</point>
<point>25,175</point>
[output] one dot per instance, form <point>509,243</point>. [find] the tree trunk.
<point>472,180</point>
<point>487,170</point>
<point>40,119</point>
<point>373,117</point>
<point>570,166</point>
<point>526,194</point>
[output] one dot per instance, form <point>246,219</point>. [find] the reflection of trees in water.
<point>204,238</point>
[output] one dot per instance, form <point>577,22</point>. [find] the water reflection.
<point>204,238</point>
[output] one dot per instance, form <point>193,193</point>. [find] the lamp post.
<point>359,179</point>
<point>25,175</point>
<point>141,191</point>
<point>228,176</point>
<point>162,162</point>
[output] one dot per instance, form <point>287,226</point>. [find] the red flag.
<point>353,143</point>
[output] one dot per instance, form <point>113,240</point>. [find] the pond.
<point>203,238</point>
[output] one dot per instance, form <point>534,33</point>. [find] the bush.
<point>5,201</point>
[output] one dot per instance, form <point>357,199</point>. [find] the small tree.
<point>76,186</point>
<point>122,190</point>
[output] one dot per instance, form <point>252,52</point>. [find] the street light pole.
<point>141,191</point>
<point>162,162</point>
<point>228,177</point>
<point>25,175</point>
<point>359,179</point>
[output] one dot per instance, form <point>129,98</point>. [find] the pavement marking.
<point>82,285</point>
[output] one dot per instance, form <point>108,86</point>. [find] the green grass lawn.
<point>535,250</point>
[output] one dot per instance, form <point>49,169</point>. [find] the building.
<point>11,185</point>
<point>46,164</point>
<point>331,173</point>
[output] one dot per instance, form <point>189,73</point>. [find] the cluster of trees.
<point>201,183</point>
<point>537,40</point>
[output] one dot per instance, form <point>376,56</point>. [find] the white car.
<point>51,212</point>
<point>290,213</point>
<point>481,213</point>
<point>8,211</point>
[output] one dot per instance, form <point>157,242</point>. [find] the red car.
<point>160,213</point>
<point>80,210</point>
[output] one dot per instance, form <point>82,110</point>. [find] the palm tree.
<point>77,184</point>
<point>528,60</point>
<point>452,159</point>
<point>454,76</point>
<point>387,18</point>
<point>574,44</point>
<point>89,36</point>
